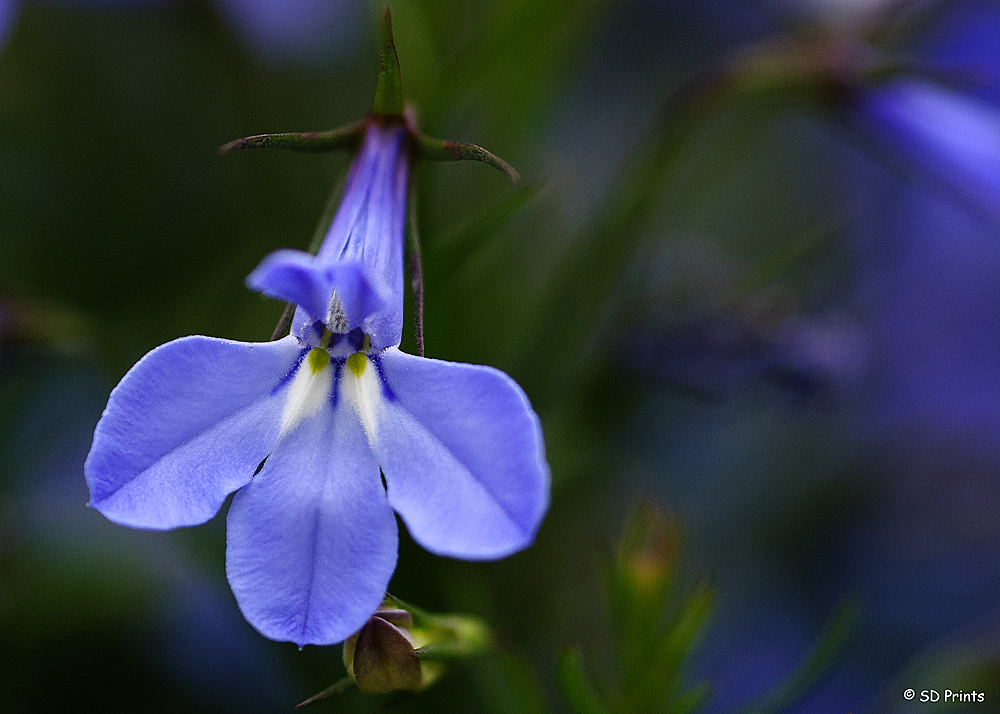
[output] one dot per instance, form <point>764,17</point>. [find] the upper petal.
<point>302,279</point>
<point>362,253</point>
<point>953,135</point>
<point>311,541</point>
<point>370,225</point>
<point>463,456</point>
<point>186,427</point>
<point>292,275</point>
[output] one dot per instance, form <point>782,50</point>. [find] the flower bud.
<point>647,552</point>
<point>402,647</point>
<point>381,656</point>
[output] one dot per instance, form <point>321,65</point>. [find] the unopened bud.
<point>381,656</point>
<point>648,550</point>
<point>404,647</point>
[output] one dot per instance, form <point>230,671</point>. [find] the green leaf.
<point>580,697</point>
<point>522,55</point>
<point>511,686</point>
<point>685,628</point>
<point>813,668</point>
<point>690,701</point>
<point>452,251</point>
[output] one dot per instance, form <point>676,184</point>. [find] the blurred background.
<point>752,272</point>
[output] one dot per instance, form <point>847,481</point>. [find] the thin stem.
<point>329,212</point>
<point>333,690</point>
<point>415,266</point>
<point>285,323</point>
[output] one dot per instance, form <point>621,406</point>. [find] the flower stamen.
<point>336,316</point>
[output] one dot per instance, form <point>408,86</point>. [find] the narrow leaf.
<point>814,667</point>
<point>578,693</point>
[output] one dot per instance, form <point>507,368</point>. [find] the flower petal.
<point>370,226</point>
<point>303,279</point>
<point>299,277</point>
<point>311,541</point>
<point>186,427</point>
<point>362,254</point>
<point>463,457</point>
<point>292,275</point>
<point>954,137</point>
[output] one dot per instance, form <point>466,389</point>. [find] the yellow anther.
<point>318,359</point>
<point>356,362</point>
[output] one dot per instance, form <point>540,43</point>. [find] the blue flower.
<point>953,137</point>
<point>325,433</point>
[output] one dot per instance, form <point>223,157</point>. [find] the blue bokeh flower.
<point>954,138</point>
<point>303,427</point>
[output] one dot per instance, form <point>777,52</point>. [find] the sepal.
<point>311,284</point>
<point>346,137</point>
<point>448,636</point>
<point>441,150</point>
<point>389,92</point>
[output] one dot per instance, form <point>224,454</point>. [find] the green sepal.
<point>389,100</point>
<point>446,636</point>
<point>468,638</point>
<point>345,137</point>
<point>440,150</point>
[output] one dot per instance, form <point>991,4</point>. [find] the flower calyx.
<point>388,108</point>
<point>342,138</point>
<point>389,99</point>
<point>831,60</point>
<point>402,647</point>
